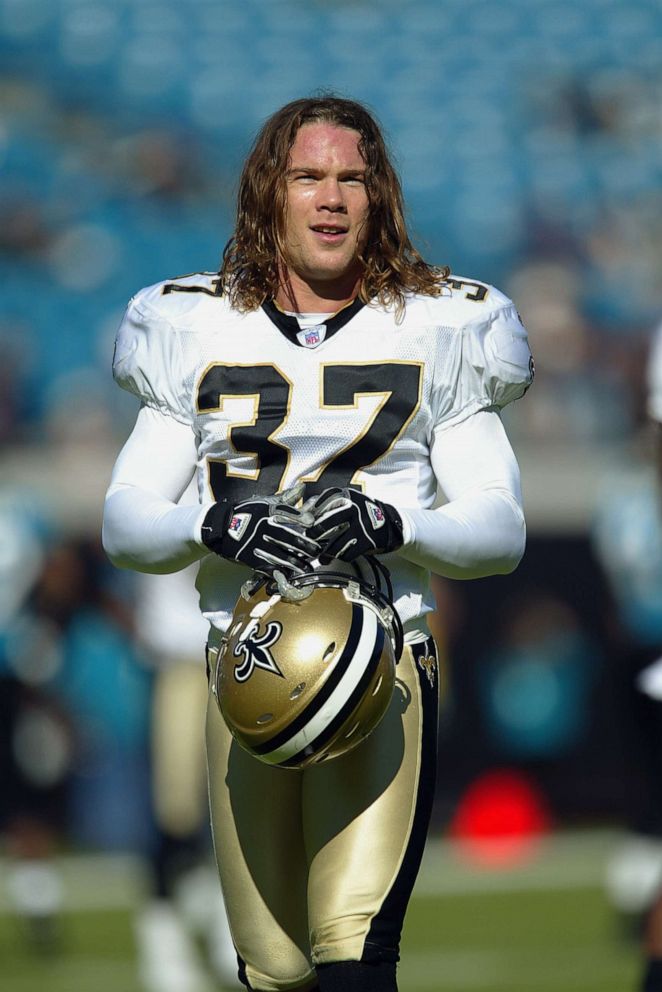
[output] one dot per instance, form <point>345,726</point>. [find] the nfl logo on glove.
<point>238,525</point>
<point>376,515</point>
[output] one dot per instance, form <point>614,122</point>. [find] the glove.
<point>265,532</point>
<point>349,524</point>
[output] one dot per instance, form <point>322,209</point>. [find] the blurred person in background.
<point>536,680</point>
<point>649,685</point>
<point>36,738</point>
<point>263,376</point>
<point>184,899</point>
<point>627,536</point>
<point>72,703</point>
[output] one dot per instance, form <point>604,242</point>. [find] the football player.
<point>326,360</point>
<point>650,682</point>
<point>172,633</point>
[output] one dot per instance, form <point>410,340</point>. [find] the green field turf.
<point>546,926</point>
<point>525,941</point>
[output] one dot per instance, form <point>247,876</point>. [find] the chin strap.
<point>297,588</point>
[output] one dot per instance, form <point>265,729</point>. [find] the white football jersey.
<point>353,400</point>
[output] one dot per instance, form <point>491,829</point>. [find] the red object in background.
<point>500,819</point>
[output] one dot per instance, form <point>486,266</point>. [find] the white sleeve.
<point>480,531</point>
<point>143,527</point>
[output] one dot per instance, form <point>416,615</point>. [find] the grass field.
<point>543,926</point>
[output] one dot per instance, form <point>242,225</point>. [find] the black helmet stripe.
<point>335,677</point>
<point>343,714</point>
<point>351,674</point>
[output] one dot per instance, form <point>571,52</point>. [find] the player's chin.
<point>334,265</point>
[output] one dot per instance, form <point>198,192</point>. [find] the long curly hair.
<point>250,270</point>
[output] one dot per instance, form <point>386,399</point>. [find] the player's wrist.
<point>198,524</point>
<point>396,526</point>
<point>213,526</point>
<point>407,529</point>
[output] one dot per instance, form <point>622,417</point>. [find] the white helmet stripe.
<point>348,683</point>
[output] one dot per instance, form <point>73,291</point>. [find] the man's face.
<point>326,211</point>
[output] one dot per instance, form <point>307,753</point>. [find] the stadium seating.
<point>514,125</point>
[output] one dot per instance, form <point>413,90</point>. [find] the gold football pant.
<point>317,866</point>
<point>178,748</point>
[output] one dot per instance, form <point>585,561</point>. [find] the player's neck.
<point>297,296</point>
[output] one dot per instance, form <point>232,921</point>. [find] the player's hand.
<point>264,532</point>
<point>349,524</point>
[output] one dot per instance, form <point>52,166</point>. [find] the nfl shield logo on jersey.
<point>310,337</point>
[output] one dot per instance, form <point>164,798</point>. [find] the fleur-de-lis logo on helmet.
<point>255,650</point>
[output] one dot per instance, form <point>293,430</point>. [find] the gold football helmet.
<point>307,668</point>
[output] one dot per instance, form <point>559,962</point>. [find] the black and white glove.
<point>349,524</point>
<point>265,532</point>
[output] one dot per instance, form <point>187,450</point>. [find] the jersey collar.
<point>289,326</point>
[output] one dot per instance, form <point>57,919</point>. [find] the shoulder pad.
<point>483,364</point>
<point>148,360</point>
<point>475,294</point>
<point>175,298</point>
<point>497,347</point>
<point>461,300</point>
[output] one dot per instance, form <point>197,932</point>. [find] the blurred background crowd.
<point>528,137</point>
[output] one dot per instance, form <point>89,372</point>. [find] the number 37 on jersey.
<point>359,409</point>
